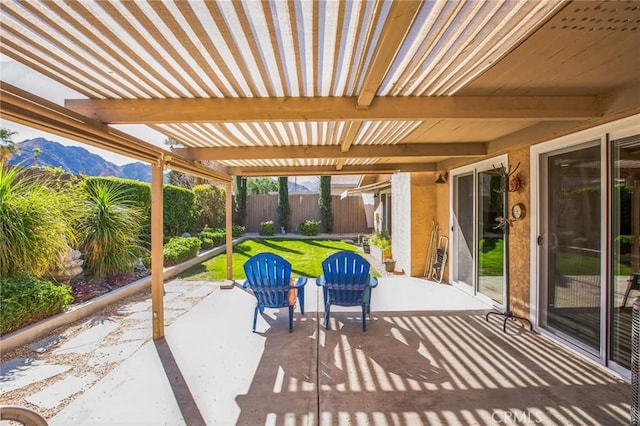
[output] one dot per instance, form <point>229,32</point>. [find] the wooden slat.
<point>315,151</point>
<point>157,111</point>
<point>396,27</point>
<point>331,170</point>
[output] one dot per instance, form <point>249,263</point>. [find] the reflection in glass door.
<point>463,229</point>
<point>626,245</point>
<point>571,256</point>
<point>490,237</point>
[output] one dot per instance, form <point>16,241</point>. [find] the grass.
<point>491,257</point>
<point>305,256</point>
<point>491,262</point>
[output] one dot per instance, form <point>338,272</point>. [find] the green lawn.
<point>491,258</point>
<point>492,252</point>
<point>305,256</point>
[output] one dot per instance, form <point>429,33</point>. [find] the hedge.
<point>181,249</point>
<point>24,301</point>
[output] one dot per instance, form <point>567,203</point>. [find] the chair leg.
<point>301,299</point>
<point>255,317</point>
<point>290,319</point>
<point>326,316</point>
<point>364,317</point>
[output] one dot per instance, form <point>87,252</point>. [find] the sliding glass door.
<point>478,245</point>
<point>571,232</point>
<point>463,230</point>
<point>625,241</point>
<point>490,237</point>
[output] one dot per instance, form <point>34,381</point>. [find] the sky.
<point>21,76</point>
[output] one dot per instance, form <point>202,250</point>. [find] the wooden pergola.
<point>320,87</point>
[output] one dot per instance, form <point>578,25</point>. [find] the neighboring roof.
<point>309,87</point>
<point>345,181</point>
<point>373,187</point>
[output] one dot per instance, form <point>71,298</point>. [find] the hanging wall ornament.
<point>516,183</point>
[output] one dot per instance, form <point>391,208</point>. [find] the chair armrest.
<point>320,282</point>
<point>373,281</point>
<point>301,282</point>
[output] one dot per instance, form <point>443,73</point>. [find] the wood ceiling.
<point>330,87</point>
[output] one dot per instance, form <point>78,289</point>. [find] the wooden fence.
<point>348,213</point>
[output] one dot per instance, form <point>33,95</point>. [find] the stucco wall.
<point>402,223</point>
<point>423,215</point>
<point>519,248</point>
<point>414,212</point>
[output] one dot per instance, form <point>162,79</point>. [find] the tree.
<point>326,215</point>
<point>240,210</point>
<point>7,146</point>
<point>284,211</point>
<point>210,204</point>
<point>36,153</point>
<point>262,185</point>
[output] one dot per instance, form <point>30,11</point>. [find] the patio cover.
<point>328,87</point>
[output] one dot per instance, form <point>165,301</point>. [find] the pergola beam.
<point>26,108</point>
<point>381,168</point>
<point>315,151</point>
<point>393,108</point>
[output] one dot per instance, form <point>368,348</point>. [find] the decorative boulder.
<point>70,265</point>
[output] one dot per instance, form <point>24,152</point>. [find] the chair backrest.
<point>346,276</point>
<point>269,277</point>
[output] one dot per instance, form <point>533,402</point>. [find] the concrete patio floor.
<point>428,357</point>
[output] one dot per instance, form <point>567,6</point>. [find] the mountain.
<point>76,160</point>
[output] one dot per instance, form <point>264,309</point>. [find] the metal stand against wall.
<point>505,224</point>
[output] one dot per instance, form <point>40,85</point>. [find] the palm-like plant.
<point>36,224</point>
<point>7,146</point>
<point>110,229</point>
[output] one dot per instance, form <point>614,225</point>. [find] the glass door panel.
<point>490,238</point>
<point>463,229</point>
<point>626,244</point>
<point>572,255</point>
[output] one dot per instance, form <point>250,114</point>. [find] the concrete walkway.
<point>428,357</point>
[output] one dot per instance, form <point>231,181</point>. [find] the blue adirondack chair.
<point>269,279</point>
<point>346,282</point>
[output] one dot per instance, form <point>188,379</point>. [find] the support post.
<point>157,258</point>
<point>229,222</point>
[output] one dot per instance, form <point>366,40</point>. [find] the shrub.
<point>180,249</point>
<point>110,229</point>
<point>217,236</point>
<point>179,210</point>
<point>207,243</point>
<point>267,228</point>
<point>383,242</point>
<point>309,227</point>
<point>284,210</point>
<point>237,230</point>
<point>36,224</point>
<point>138,194</point>
<point>28,300</point>
<point>119,279</point>
<point>240,206</point>
<point>210,203</point>
<point>324,201</point>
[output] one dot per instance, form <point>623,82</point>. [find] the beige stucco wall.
<point>519,248</point>
<point>414,212</point>
<point>423,216</point>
